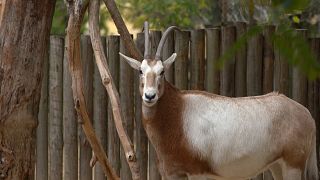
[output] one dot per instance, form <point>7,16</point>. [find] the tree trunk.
<point>24,36</point>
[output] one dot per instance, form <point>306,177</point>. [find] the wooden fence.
<point>62,149</point>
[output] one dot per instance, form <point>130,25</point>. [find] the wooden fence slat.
<point>42,130</point>
<point>268,60</point>
<point>113,44</point>
<point>182,40</point>
<point>55,104</point>
<point>281,73</point>
<point>153,168</point>
<point>197,69</point>
<point>141,136</point>
<point>85,149</point>
<point>313,90</point>
<point>126,100</point>
<point>227,74</point>
<point>70,127</point>
<point>100,117</point>
<point>241,64</point>
<point>254,65</point>
<point>254,70</point>
<point>168,50</point>
<point>300,81</point>
<point>212,82</point>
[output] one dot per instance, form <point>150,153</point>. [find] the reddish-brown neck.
<point>165,131</point>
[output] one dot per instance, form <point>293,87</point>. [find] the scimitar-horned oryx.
<point>198,133</point>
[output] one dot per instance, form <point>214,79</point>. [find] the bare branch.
<point>75,68</point>
<point>122,29</point>
<point>110,87</point>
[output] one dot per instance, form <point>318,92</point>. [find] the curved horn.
<point>163,40</point>
<point>147,54</point>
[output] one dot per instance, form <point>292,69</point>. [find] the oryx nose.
<point>150,96</point>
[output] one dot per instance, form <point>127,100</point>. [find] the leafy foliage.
<point>60,19</point>
<point>162,13</point>
<point>197,13</point>
<point>286,39</point>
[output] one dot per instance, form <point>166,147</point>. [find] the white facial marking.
<point>151,79</point>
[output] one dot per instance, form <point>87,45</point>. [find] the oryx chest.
<point>234,137</point>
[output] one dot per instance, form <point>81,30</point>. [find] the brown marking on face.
<point>150,79</point>
<point>166,135</point>
<point>152,63</point>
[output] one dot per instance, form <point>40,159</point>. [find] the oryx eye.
<point>162,73</point>
<point>140,71</point>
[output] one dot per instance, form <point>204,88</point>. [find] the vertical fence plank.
<point>227,75</point>
<point>254,65</point>
<point>300,81</point>
<point>153,168</point>
<point>113,44</point>
<point>268,60</point>
<point>254,70</point>
<point>281,73</point>
<point>312,90</point>
<point>267,81</point>
<point>197,69</point>
<point>100,116</point>
<point>212,53</point>
<point>55,104</point>
<point>182,40</point>
<point>167,51</point>
<point>42,130</point>
<point>317,99</point>
<point>70,127</point>
<point>241,64</point>
<point>141,136</point>
<point>126,100</point>
<point>87,65</point>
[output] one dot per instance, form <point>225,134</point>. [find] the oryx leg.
<point>276,171</point>
<point>290,173</point>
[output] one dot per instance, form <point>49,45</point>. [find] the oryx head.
<point>152,69</point>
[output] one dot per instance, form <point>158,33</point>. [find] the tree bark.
<point>24,36</point>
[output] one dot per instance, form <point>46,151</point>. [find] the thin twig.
<point>122,29</point>
<point>110,87</point>
<point>75,68</point>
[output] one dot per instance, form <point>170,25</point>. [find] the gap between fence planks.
<point>109,85</point>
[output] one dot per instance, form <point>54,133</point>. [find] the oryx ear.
<point>132,62</point>
<point>167,63</point>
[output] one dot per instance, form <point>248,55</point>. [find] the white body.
<point>237,136</point>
